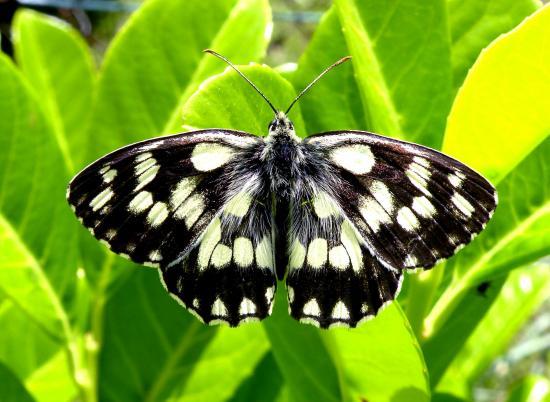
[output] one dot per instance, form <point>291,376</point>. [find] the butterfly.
<point>224,215</point>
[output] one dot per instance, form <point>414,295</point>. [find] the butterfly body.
<point>224,214</point>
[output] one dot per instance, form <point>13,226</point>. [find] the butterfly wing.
<point>332,277</point>
<point>412,205</point>
<point>368,208</point>
<point>157,202</point>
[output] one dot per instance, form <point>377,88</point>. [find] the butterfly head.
<point>281,126</point>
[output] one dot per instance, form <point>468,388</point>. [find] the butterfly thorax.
<point>282,155</point>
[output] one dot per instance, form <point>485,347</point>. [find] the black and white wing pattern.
<point>188,205</point>
<point>369,208</point>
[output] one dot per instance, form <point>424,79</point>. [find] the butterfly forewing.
<point>412,205</point>
<point>158,203</point>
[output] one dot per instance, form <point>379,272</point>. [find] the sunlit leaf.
<point>37,231</point>
<point>155,350</point>
<point>58,64</point>
<point>156,63</point>
<point>521,295</point>
<point>392,43</point>
<point>501,112</point>
<point>474,24</point>
<point>334,102</point>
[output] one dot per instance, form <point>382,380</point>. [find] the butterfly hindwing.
<point>333,280</point>
<point>412,205</point>
<point>230,276</point>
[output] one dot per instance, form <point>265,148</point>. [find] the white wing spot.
<point>110,234</point>
<point>182,190</point>
<point>109,175</point>
<point>101,199</point>
<point>312,308</point>
<point>311,321</point>
<point>196,303</point>
<point>209,156</point>
<point>456,178</point>
<point>190,210</point>
<point>340,311</point>
<point>243,253</point>
<point>155,255</point>
<point>221,256</point>
<point>356,158</point>
<point>411,261</point>
<point>247,307</point>
<point>407,219</point>
<point>290,292</point>
<point>211,238</point>
<point>324,206</point>
<point>338,257</point>
<point>423,207</point>
<point>364,308</point>
<point>218,308</point>
<point>419,176</point>
<point>462,204</point>
<point>373,213</point>
<point>239,204</point>
<point>351,243</point>
<point>383,195</point>
<point>317,253</point>
<point>421,161</point>
<point>145,165</point>
<point>147,177</point>
<point>141,202</point>
<point>144,156</point>
<point>157,214</point>
<point>264,253</point>
<point>297,254</point>
<point>269,293</point>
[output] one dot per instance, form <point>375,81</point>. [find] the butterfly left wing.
<point>368,208</point>
<point>157,203</point>
<point>412,205</point>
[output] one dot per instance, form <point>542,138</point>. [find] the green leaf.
<point>227,101</point>
<point>155,350</point>
<point>521,295</point>
<point>156,63</point>
<point>24,345</point>
<point>517,235</point>
<point>266,384</point>
<point>12,389</point>
<point>392,43</point>
<point>306,364</point>
<point>381,360</point>
<point>333,103</point>
<point>478,135</point>
<point>58,65</point>
<point>37,231</point>
<point>53,381</point>
<point>501,112</point>
<point>474,24</point>
<point>533,388</point>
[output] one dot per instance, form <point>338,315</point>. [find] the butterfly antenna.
<point>342,60</point>
<point>219,56</point>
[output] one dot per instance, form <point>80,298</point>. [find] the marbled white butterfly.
<point>225,214</point>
